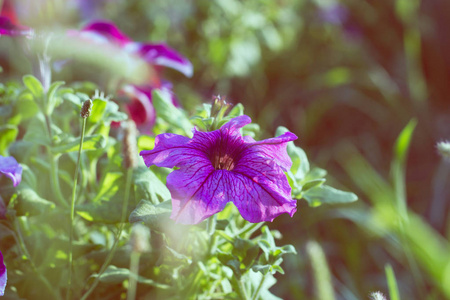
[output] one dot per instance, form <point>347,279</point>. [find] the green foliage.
<point>346,86</point>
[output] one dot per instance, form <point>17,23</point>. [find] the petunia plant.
<point>95,206</point>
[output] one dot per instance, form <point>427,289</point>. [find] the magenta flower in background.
<point>3,275</point>
<point>156,54</point>
<point>140,108</point>
<point>221,166</point>
<point>9,23</point>
<point>9,28</point>
<point>10,168</point>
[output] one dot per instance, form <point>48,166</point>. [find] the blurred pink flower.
<point>156,54</point>
<point>9,24</point>
<point>140,108</point>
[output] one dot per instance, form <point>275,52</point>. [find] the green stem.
<point>54,180</point>
<point>211,225</point>
<point>256,294</point>
<point>248,230</point>
<point>72,210</point>
<point>25,252</point>
<point>134,269</point>
<point>117,238</point>
<point>241,289</point>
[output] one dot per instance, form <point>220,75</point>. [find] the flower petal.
<point>198,192</point>
<point>266,192</point>
<point>162,55</point>
<point>140,107</point>
<point>8,28</point>
<point>232,127</point>
<point>3,275</point>
<point>10,168</point>
<point>170,150</point>
<point>102,31</point>
<point>274,148</point>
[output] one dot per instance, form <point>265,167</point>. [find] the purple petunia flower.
<point>10,168</point>
<point>221,166</point>
<point>3,275</point>
<point>158,54</point>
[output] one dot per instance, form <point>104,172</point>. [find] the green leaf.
<point>25,108</point>
<point>98,109</point>
<point>109,212</point>
<point>112,113</point>
<point>51,99</point>
<point>115,275</point>
<point>300,164</point>
<point>168,112</point>
<point>403,141</point>
<point>151,214</point>
<point>256,278</point>
<point>326,194</point>
<point>392,283</point>
<point>245,250</point>
<point>93,142</point>
<point>37,131</point>
<point>29,203</point>
<point>108,186</point>
<point>145,142</point>
<point>34,86</point>
<point>237,110</point>
<point>8,134</point>
<point>312,183</point>
<point>148,186</point>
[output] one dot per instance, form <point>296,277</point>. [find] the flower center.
<point>223,162</point>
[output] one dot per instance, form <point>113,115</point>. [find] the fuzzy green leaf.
<point>326,194</point>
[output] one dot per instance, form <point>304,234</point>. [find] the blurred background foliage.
<point>363,83</point>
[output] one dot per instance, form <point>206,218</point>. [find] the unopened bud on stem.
<point>86,109</point>
<point>129,145</point>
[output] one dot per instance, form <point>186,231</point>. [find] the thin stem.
<point>53,164</point>
<point>72,210</point>
<point>117,238</point>
<point>241,289</point>
<point>134,270</point>
<point>256,294</point>
<point>25,252</point>
<point>211,225</point>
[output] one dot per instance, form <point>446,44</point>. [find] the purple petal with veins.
<point>217,167</point>
<point>10,168</point>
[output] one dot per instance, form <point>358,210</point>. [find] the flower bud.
<point>220,106</point>
<point>129,145</point>
<point>86,109</point>
<point>139,240</point>
<point>444,149</point>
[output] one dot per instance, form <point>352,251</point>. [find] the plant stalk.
<point>256,294</point>
<point>72,210</point>
<point>134,270</point>
<point>117,238</point>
